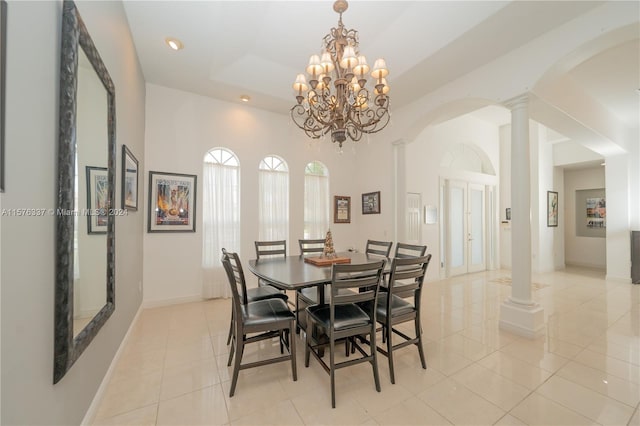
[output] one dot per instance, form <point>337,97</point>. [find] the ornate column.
<point>519,313</point>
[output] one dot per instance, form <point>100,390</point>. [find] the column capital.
<point>400,142</point>
<point>519,101</point>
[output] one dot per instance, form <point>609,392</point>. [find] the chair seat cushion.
<point>346,316</point>
<point>399,306</point>
<point>266,311</point>
<point>262,293</point>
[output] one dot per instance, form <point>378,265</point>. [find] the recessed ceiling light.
<point>245,98</point>
<point>173,43</point>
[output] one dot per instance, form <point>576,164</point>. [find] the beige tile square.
<point>194,351</point>
<point>536,410</point>
<point>130,394</point>
<point>202,407</point>
<point>254,393</point>
<point>189,377</point>
<point>601,382</point>
<point>282,413</point>
<point>145,416</point>
<point>509,420</point>
<point>535,353</point>
<point>491,386</point>
<point>515,369</point>
<point>412,411</point>
<point>459,405</point>
<point>613,366</point>
<point>591,404</point>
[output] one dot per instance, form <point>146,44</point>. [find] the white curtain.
<point>273,205</point>
<point>221,225</point>
<point>316,206</point>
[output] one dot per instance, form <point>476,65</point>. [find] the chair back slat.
<point>271,248</point>
<point>382,248</point>
<point>311,246</point>
<point>404,250</point>
<point>411,269</point>
<point>363,281</point>
<point>235,275</point>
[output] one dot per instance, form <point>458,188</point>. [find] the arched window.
<point>316,200</point>
<point>273,199</point>
<point>220,217</point>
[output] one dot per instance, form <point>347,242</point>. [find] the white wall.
<point>582,251</point>
<point>423,168</point>
<point>28,243</point>
<point>180,128</point>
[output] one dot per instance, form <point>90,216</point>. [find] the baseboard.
<point>97,399</point>
<point>146,304</point>
<point>586,265</point>
<point>624,280</point>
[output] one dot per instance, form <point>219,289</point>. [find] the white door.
<point>464,229</point>
<point>413,218</point>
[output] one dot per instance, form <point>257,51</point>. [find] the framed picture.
<point>129,180</point>
<point>3,60</point>
<point>341,209</point>
<point>507,213</point>
<point>371,203</point>
<point>552,208</point>
<point>172,202</point>
<point>591,213</point>
<point>97,200</point>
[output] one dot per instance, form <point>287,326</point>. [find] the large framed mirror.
<point>85,229</point>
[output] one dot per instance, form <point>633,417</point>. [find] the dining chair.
<point>249,295</point>
<point>269,318</point>
<point>307,296</point>
<point>405,282</point>
<point>404,250</point>
<point>382,248</point>
<point>311,246</point>
<point>343,318</point>
<point>270,249</point>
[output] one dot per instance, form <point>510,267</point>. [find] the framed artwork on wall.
<point>97,200</point>
<point>129,180</point>
<point>341,209</point>
<point>172,202</point>
<point>371,203</point>
<point>507,213</point>
<point>552,209</point>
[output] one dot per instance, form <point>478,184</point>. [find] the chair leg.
<point>297,314</point>
<point>230,328</point>
<point>307,343</point>
<point>234,343</point>
<point>389,335</point>
<point>419,344</point>
<point>292,350</point>
<point>374,353</point>
<point>332,372</point>
<point>236,366</point>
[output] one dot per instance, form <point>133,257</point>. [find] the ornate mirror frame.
<point>67,347</point>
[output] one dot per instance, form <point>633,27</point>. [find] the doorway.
<point>464,229</point>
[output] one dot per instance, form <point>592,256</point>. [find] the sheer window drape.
<point>273,205</point>
<point>221,223</point>
<point>316,201</point>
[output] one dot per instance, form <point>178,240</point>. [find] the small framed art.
<point>371,203</point>
<point>129,180</point>
<point>97,200</point>
<point>172,202</point>
<point>552,208</point>
<point>341,209</point>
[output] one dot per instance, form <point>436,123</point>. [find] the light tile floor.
<point>584,370</point>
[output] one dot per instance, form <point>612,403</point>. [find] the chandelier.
<point>350,109</point>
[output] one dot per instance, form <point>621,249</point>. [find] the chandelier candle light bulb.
<point>348,109</point>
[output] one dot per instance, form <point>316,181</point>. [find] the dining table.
<point>294,273</point>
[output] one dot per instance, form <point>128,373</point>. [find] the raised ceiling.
<point>256,48</point>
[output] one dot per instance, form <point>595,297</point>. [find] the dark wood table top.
<point>293,273</point>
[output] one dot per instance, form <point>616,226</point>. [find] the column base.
<point>525,320</point>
